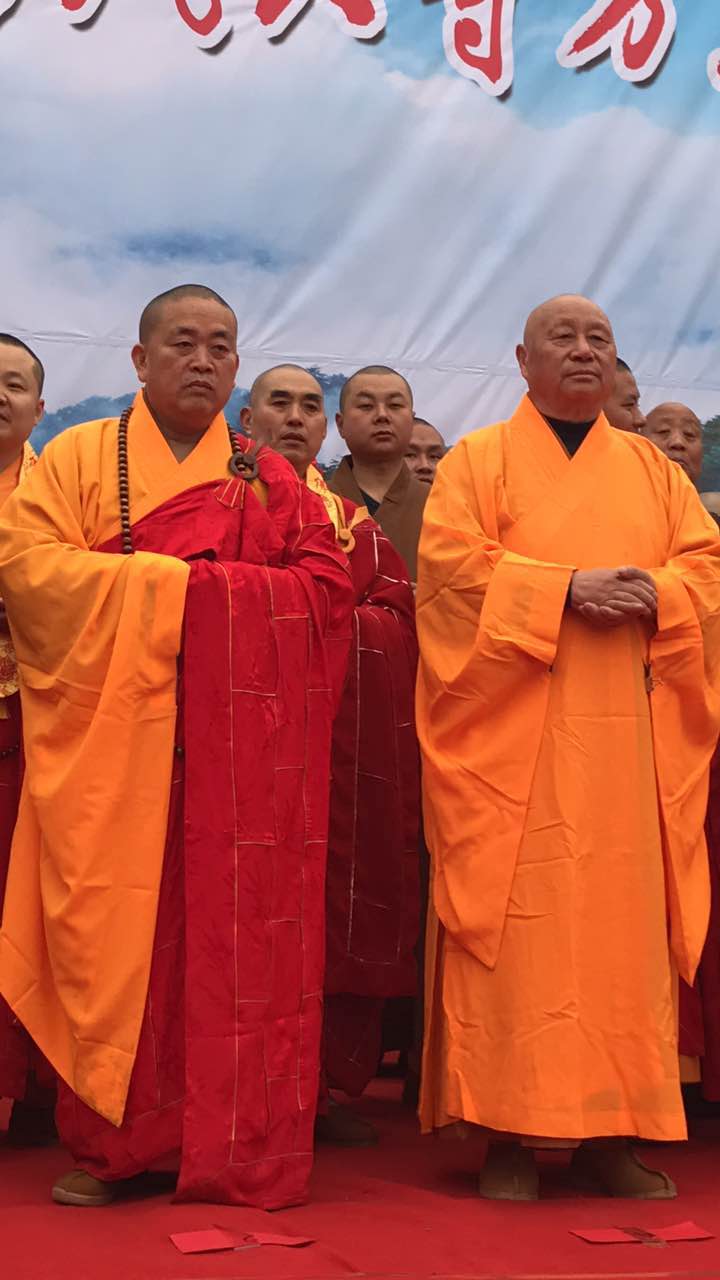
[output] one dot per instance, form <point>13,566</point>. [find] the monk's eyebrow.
<point>187,331</point>
<point>313,396</point>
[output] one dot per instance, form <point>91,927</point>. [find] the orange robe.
<point>565,782</point>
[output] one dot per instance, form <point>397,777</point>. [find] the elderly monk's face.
<point>568,359</point>
<point>287,413</point>
<point>377,421</point>
<point>677,431</point>
<point>189,363</point>
<point>21,407</point>
<point>623,410</point>
<point>425,450</point>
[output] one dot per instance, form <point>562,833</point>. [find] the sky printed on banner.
<point>355,202</point>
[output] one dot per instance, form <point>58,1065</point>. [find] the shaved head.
<point>563,304</point>
<point>672,410</point>
<point>677,432</point>
<point>568,358</point>
<point>373,371</point>
<point>425,450</point>
<point>286,411</point>
<point>271,375</point>
<point>9,340</point>
<point>156,307</point>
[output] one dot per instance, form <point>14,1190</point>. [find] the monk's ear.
<point>339,425</point>
<point>39,411</point>
<point>138,356</point>
<point>246,419</point>
<point>521,356</point>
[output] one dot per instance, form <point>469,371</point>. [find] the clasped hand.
<point>609,597</point>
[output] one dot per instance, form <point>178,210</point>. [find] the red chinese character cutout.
<point>361,19</point>
<point>80,10</point>
<point>637,33</point>
<point>713,69</point>
<point>206,20</point>
<point>478,39</point>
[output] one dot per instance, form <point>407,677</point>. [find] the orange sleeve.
<point>685,701</point>
<point>97,638</point>
<point>488,626</point>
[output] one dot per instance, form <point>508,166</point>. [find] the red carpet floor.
<point>403,1211</point>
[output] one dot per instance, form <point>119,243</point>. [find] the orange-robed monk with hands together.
<point>568,613</point>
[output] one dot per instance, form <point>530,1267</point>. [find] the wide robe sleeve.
<point>488,626</point>
<point>685,701</point>
<point>97,638</point>
<point>373,862</point>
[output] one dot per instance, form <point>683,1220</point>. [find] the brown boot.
<point>510,1173</point>
<point>341,1127</point>
<point>82,1190</point>
<point>614,1168</point>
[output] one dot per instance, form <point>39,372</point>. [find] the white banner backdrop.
<point>364,184</point>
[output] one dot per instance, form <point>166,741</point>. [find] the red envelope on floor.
<point>211,1241</point>
<point>218,1240</point>
<point>683,1231</point>
<point>644,1235</point>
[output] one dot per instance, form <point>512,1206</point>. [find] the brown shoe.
<point>341,1127</point>
<point>616,1170</point>
<point>82,1190</point>
<point>510,1173</point>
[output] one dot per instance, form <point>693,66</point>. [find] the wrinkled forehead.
<point>198,317</point>
<point>674,416</point>
<point>378,386</point>
<point>578,314</point>
<point>290,382</point>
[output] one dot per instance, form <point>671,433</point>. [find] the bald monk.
<point>180,624</point>
<point>622,408</point>
<point>376,422</point>
<point>425,450</point>
<point>372,872</point>
<point>677,432</point>
<point>23,1077</point>
<point>569,673</point>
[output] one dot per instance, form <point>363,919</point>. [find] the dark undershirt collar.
<point>571,434</point>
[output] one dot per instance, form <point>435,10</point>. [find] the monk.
<point>622,409</point>
<point>23,1076</point>
<point>568,709</point>
<point>372,871</point>
<point>376,422</point>
<point>425,450</point>
<point>677,432</point>
<point>181,615</point>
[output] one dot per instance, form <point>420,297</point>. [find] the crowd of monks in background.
<point>83,503</point>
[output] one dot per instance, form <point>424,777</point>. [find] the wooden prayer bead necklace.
<point>242,463</point>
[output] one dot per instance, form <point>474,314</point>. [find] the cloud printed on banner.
<point>352,211</point>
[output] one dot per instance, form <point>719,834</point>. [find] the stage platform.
<point>405,1210</point>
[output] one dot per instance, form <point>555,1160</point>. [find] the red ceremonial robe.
<point>15,1046</point>
<point>372,875</point>
<point>226,1072</point>
<point>700,1004</point>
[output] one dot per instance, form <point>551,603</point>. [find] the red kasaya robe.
<point>226,1066</point>
<point>700,1004</point>
<point>372,876</point>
